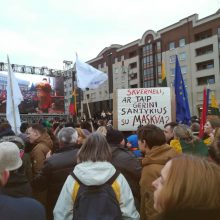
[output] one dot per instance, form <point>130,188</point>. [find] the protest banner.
<point>142,106</point>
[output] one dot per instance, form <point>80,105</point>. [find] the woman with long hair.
<point>94,169</point>
<point>188,188</point>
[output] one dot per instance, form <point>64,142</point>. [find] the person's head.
<point>86,125</point>
<point>9,160</point>
<point>5,126</point>
<point>195,127</point>
<point>182,132</point>
<point>101,122</point>
<point>211,124</point>
<point>168,130</point>
<point>187,182</point>
<point>81,136</point>
<point>102,130</point>
<point>150,136</point>
<point>24,126</point>
<point>34,132</point>
<point>67,136</point>
<point>95,148</point>
<point>214,151</point>
<point>115,137</point>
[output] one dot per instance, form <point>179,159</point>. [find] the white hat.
<point>9,156</point>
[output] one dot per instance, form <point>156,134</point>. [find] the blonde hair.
<point>184,133</point>
<point>102,130</point>
<point>192,182</point>
<point>81,134</point>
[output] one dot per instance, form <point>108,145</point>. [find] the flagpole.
<point>89,113</point>
<point>12,95</point>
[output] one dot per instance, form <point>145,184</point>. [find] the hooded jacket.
<point>94,173</point>
<point>152,163</point>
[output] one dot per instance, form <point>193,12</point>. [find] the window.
<point>159,69</point>
<point>206,80</point>
<point>172,71</point>
<point>203,35</point>
<point>132,54</point>
<point>219,31</point>
<point>159,57</point>
<point>171,45</point>
<point>184,69</point>
<point>204,50</point>
<point>182,56</point>
<point>147,48</point>
<point>119,59</point>
<point>148,59</point>
<point>149,83</point>
<point>158,45</point>
<point>133,76</point>
<point>182,42</point>
<point>133,65</point>
<point>205,65</point>
<point>172,59</point>
<point>148,72</point>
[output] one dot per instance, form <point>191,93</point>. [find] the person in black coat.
<point>57,167</point>
<point>15,208</point>
<point>125,162</point>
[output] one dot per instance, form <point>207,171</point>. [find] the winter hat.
<point>133,139</point>
<point>9,156</point>
<point>114,136</point>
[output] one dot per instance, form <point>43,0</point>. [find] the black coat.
<point>193,214</point>
<point>54,173</point>
<point>20,208</point>
<point>17,185</point>
<point>126,162</point>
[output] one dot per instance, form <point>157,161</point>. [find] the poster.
<point>142,106</point>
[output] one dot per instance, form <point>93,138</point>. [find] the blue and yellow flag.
<point>182,105</point>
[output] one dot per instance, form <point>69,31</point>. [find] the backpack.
<point>96,202</point>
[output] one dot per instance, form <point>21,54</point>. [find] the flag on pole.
<point>88,76</point>
<point>182,105</point>
<point>214,104</point>
<point>163,76</point>
<point>204,114</point>
<point>72,106</point>
<point>14,98</point>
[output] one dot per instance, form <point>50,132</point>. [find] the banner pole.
<point>89,113</point>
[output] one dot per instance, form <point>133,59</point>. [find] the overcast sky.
<point>46,32</point>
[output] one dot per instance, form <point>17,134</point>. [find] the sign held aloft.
<point>142,106</point>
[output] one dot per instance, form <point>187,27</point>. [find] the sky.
<point>47,32</point>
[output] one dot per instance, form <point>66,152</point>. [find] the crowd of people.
<point>63,170</point>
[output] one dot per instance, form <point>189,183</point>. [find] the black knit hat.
<point>114,136</point>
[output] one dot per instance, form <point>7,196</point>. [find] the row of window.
<point>182,43</point>
<point>149,47</point>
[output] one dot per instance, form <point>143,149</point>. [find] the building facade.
<point>195,41</point>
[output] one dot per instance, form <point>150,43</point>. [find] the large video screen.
<point>41,94</point>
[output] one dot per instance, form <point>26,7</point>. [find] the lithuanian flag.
<point>163,76</point>
<point>214,105</point>
<point>72,106</point>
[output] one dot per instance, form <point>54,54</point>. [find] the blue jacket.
<point>20,208</point>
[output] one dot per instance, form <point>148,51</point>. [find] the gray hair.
<point>67,135</point>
